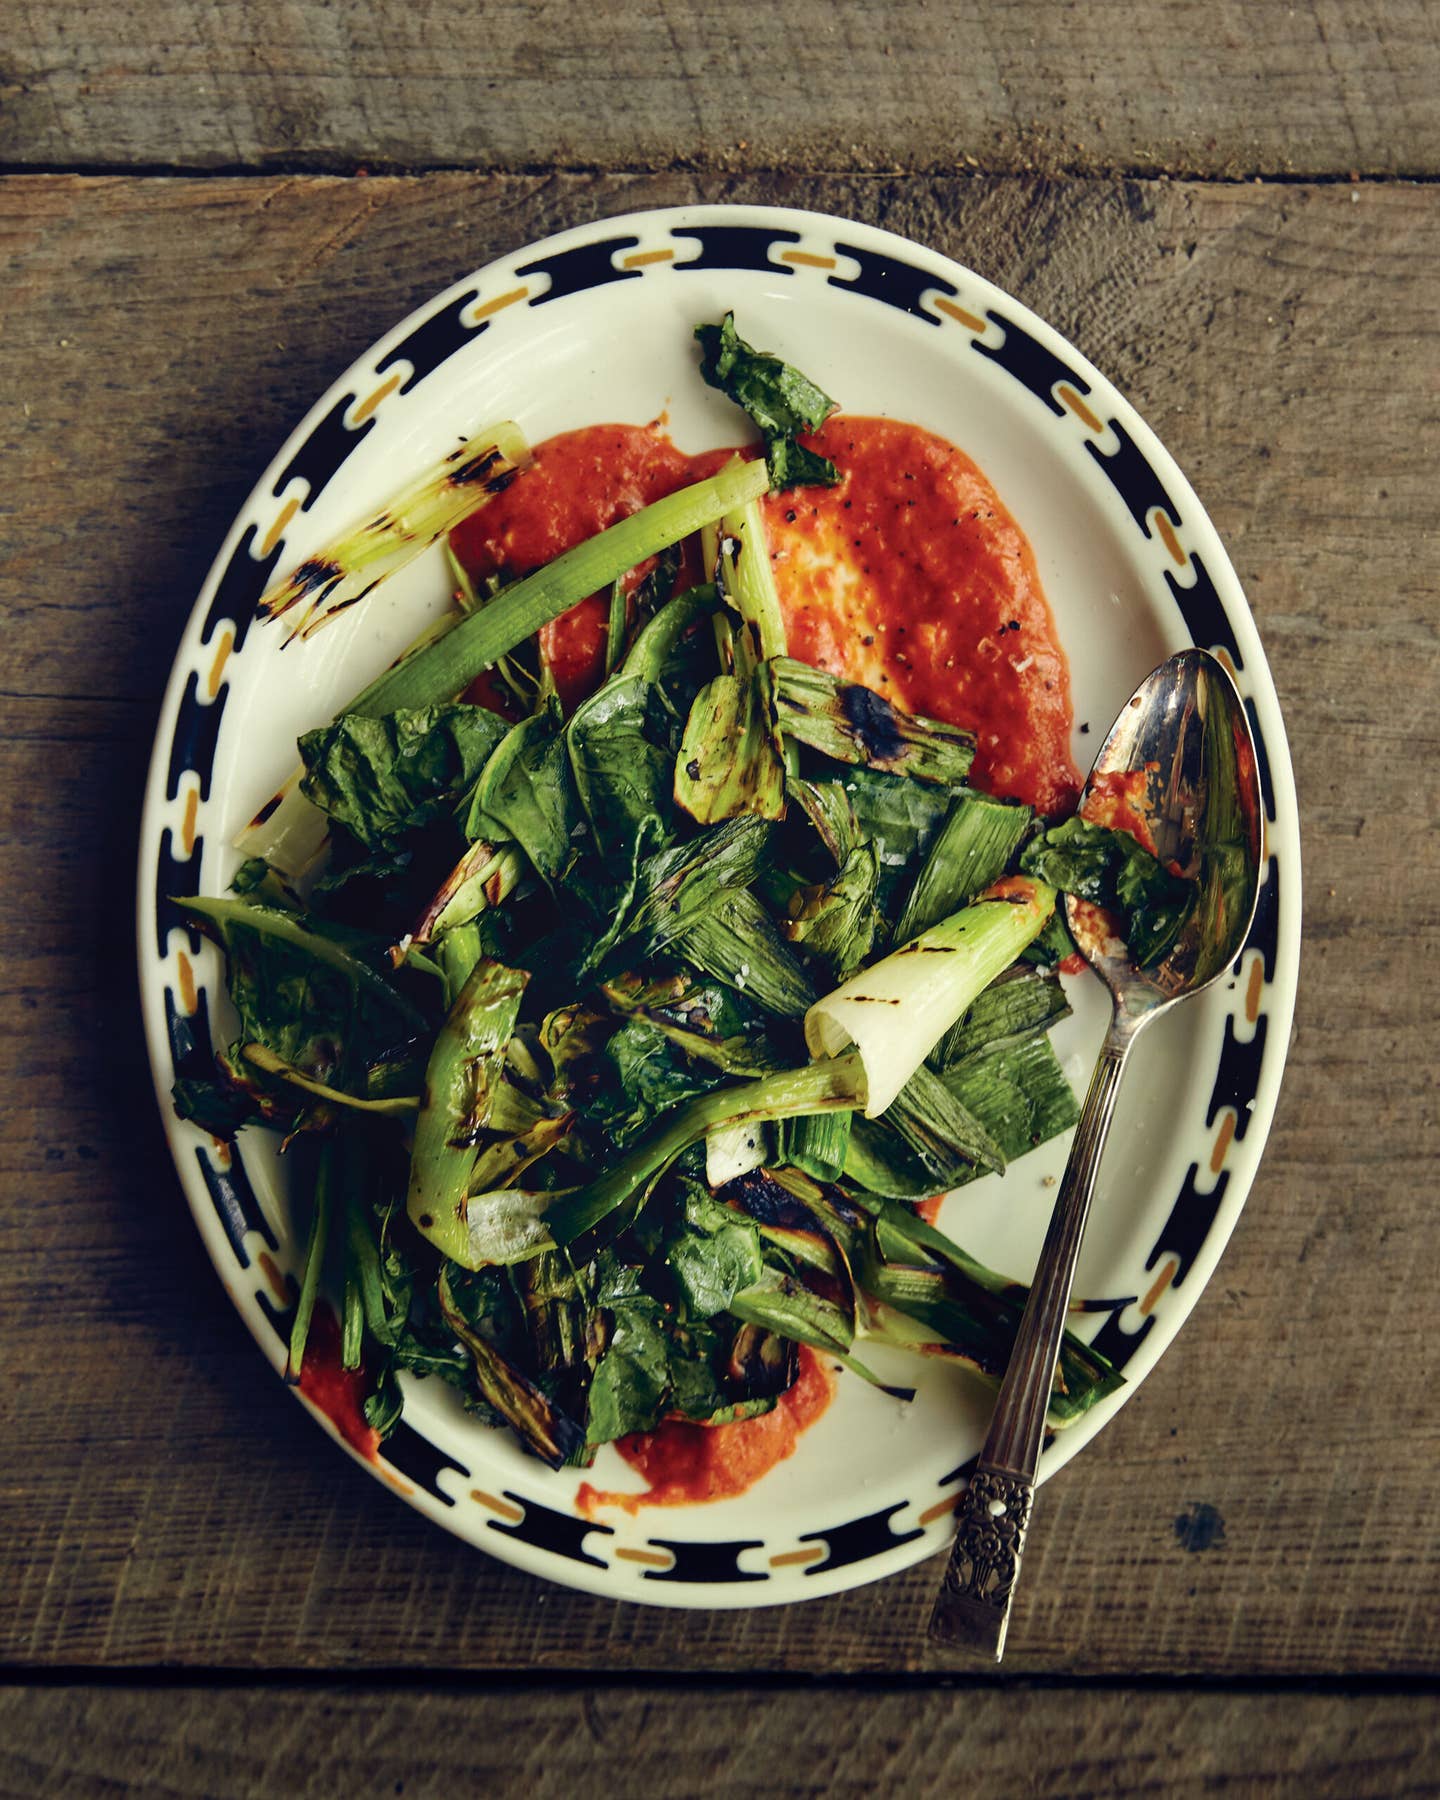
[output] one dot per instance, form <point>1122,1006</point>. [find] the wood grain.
<point>163,1500</point>
<point>1223,88</point>
<point>227,1744</point>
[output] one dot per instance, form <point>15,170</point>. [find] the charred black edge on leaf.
<point>872,719</point>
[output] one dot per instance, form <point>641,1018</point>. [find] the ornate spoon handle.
<point>973,1609</point>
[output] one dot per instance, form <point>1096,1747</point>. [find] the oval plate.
<point>592,326</point>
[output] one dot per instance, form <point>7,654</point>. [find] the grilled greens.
<point>613,1046</point>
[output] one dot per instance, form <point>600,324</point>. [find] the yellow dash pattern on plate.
<point>501,1508</point>
<point>367,406</point>
<point>811,1553</point>
<point>277,530</point>
<point>1222,1142</point>
<point>1168,537</point>
<point>939,1510</point>
<point>1252,992</point>
<point>217,667</point>
<point>189,999</point>
<point>959,314</point>
<point>1158,1286</point>
<point>282,1286</point>
<point>499,303</point>
<point>187,822</point>
<point>656,1559</point>
<point>1067,396</point>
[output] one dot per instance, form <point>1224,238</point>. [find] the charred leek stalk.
<point>895,1011</point>
<point>854,724</point>
<point>348,567</point>
<point>973,848</point>
<point>837,1082</point>
<point>730,760</point>
<point>290,833</point>
<point>387,1106</point>
<point>549,1433</point>
<point>314,1262</point>
<point>447,667</point>
<point>460,1081</point>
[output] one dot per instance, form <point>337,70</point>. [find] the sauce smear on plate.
<point>909,577</point>
<point>338,1392</point>
<point>687,1463</point>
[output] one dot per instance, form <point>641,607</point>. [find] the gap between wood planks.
<point>1019,170</point>
<point>570,1681</point>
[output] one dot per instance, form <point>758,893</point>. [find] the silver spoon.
<point>1186,729</point>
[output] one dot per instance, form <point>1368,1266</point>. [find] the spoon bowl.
<point>1181,760</point>
<point>1178,769</point>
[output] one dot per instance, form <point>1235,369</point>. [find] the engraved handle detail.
<point>991,1523</point>
<point>974,1604</point>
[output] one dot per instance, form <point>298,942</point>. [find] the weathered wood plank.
<point>1008,85</point>
<point>227,1743</point>
<point>164,1500</point>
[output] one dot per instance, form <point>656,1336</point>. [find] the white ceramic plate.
<point>592,326</point>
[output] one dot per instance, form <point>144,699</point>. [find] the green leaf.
<point>1017,1006</point>
<point>827,805</point>
<point>936,1125</point>
<point>654,1075</point>
<point>853,724</point>
<point>309,993</point>
<point>702,1017</point>
<point>1018,1091</point>
<point>780,400</point>
<point>1053,945</point>
<point>716,1255</point>
<point>557,1314</point>
<point>676,887</point>
<point>878,1160</point>
<point>526,793</point>
<point>1114,870</point>
<point>900,818</point>
<point>783,1304</point>
<point>817,1143</point>
<point>553,1436</point>
<point>661,645</point>
<point>460,1079</point>
<point>697,1387</point>
<point>925,1143</point>
<point>621,763</point>
<point>383,777</point>
<point>727,762</point>
<point>794,465</point>
<point>632,1379</point>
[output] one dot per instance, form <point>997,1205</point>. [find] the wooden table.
<point>205,213</point>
